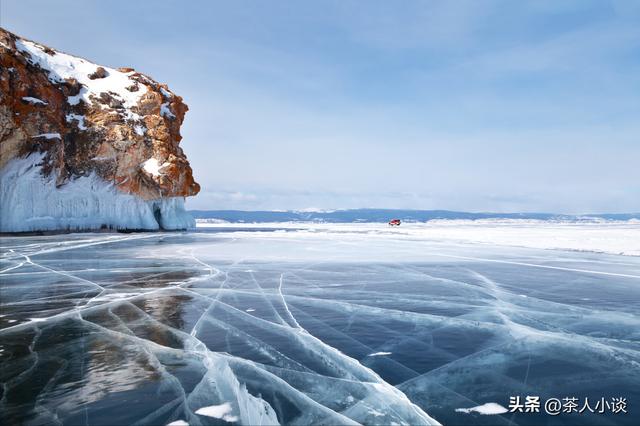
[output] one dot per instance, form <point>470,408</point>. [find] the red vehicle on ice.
<point>394,222</point>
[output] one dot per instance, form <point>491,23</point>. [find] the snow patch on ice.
<point>380,354</point>
<point>222,411</point>
<point>30,201</point>
<point>178,423</point>
<point>488,409</point>
<point>376,413</point>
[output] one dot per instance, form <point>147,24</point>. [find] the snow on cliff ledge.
<point>114,159</point>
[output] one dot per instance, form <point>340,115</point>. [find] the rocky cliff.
<point>85,146</point>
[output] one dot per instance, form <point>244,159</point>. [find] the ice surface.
<point>281,325</point>
<point>30,202</point>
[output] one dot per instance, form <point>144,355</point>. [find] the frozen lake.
<point>309,324</point>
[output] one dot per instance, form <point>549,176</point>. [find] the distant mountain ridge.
<point>384,215</point>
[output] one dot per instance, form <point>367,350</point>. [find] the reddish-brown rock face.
<point>117,124</point>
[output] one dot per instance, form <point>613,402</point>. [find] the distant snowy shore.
<point>613,237</point>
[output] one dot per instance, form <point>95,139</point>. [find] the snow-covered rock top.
<point>65,122</point>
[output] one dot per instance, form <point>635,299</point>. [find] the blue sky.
<point>468,105</point>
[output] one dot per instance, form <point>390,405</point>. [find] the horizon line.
<point>413,210</point>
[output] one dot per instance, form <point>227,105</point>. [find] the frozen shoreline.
<point>612,237</point>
